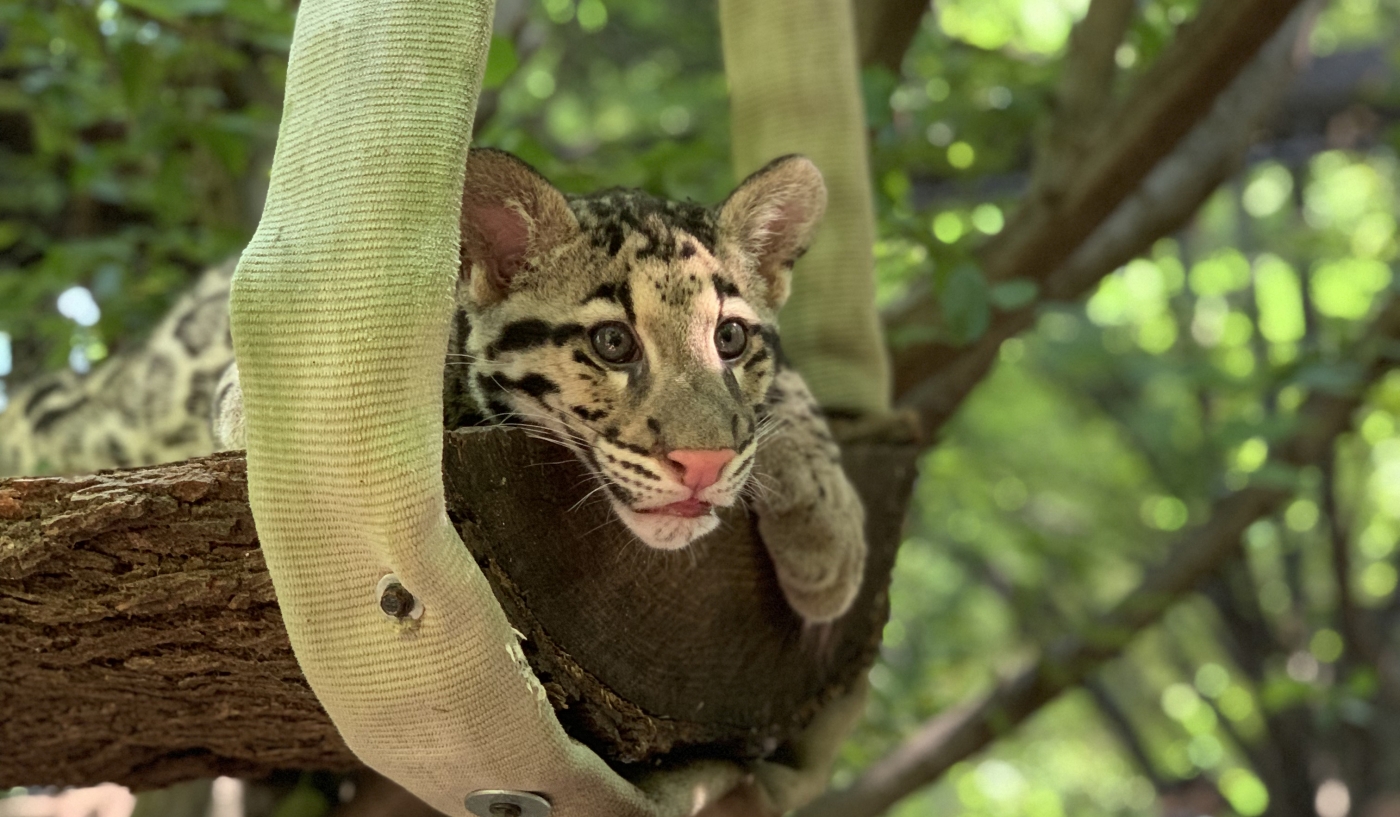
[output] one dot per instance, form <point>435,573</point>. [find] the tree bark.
<point>147,647</point>
<point>886,28</point>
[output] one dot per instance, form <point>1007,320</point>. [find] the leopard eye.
<point>615,343</point>
<point>731,338</point>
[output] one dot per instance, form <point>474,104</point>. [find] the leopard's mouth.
<point>686,508</point>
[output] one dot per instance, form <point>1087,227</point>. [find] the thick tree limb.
<point>1330,88</point>
<point>1083,94</point>
<point>1118,720</point>
<point>1175,94</point>
<point>934,379</point>
<point>151,648</point>
<point>885,28</point>
<point>957,734</point>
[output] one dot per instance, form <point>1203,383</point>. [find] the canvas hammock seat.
<point>340,313</point>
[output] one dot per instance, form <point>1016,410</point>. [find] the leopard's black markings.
<point>725,287</point>
<point>528,334</point>
<point>534,384</point>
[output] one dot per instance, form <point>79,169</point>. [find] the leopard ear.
<point>510,216</point>
<point>772,216</point>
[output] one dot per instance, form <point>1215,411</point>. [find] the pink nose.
<point>701,467</point>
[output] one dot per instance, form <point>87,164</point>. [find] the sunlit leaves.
<point>1164,512</point>
<point>961,155</point>
<point>172,10</point>
<point>146,124</point>
<point>1378,580</point>
<point>948,227</point>
<point>1138,296</point>
<point>1279,299</point>
<point>1236,703</point>
<point>592,15</point>
<point>621,92</point>
<point>1246,793</point>
<point>1250,455</point>
<point>1223,272</point>
<point>987,218</point>
<point>1268,190</point>
<point>1131,295</point>
<point>1040,27</point>
<point>1346,288</point>
<point>1212,680</point>
<point>1326,645</point>
<point>1374,235</point>
<point>1350,23</point>
<point>1342,190</point>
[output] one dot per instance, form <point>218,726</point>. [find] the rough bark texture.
<point>146,645</point>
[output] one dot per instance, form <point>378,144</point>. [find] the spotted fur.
<point>542,271</point>
<point>147,406</point>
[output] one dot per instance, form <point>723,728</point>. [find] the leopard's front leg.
<point>809,514</point>
<point>226,416</point>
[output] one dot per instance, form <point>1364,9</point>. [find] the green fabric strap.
<point>794,84</point>
<point>340,312</point>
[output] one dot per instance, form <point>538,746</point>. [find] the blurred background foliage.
<point>135,142</point>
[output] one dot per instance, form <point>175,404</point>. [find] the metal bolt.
<point>396,601</point>
<point>504,803</point>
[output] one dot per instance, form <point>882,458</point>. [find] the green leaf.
<point>965,304</point>
<point>10,232</point>
<point>303,801</point>
<point>501,62</point>
<point>1014,294</point>
<point>876,84</point>
<point>1331,378</point>
<point>172,10</point>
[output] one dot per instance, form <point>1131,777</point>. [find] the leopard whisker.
<point>547,464</point>
<point>601,487</point>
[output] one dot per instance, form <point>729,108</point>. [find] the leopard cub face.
<point>636,331</point>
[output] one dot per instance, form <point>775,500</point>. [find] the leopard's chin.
<point>665,530</point>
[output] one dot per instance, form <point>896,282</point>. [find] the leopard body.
<point>542,275</point>
<point>148,405</point>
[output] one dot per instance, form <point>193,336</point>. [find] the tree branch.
<point>934,379</point>
<point>1175,94</point>
<point>1121,725</point>
<point>1083,94</point>
<point>1352,623</point>
<point>885,28</point>
<point>155,652</point>
<point>955,735</point>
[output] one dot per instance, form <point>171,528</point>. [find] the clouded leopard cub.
<point>641,334</point>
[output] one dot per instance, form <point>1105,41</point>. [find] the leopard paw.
<point>813,525</point>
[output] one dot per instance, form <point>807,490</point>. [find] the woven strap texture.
<point>794,85</point>
<point>340,312</point>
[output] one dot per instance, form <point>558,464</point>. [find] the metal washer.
<point>414,613</point>
<point>503,803</point>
